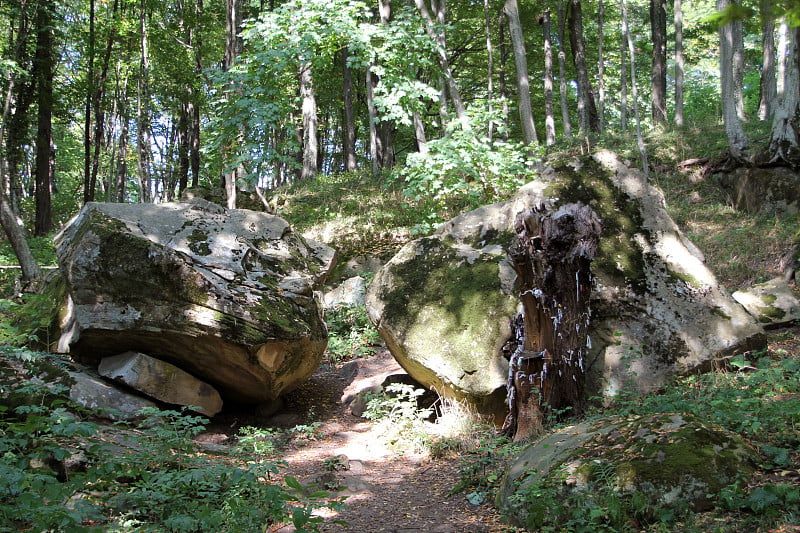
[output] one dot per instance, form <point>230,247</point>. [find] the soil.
<point>384,489</point>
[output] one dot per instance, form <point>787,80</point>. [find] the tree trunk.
<point>489,69</point>
<point>551,255</point>
<point>587,111</point>
<point>310,122</point>
<point>768,86</point>
<point>501,72</point>
<point>549,116</point>
<point>8,219</point>
<point>444,64</point>
<point>626,34</point>
<point>658,33</point>
<point>785,138</point>
<point>143,109</point>
<point>349,140</point>
<point>44,131</point>
<point>374,148</point>
<point>233,47</point>
<point>679,62</point>
<point>87,119</point>
<point>737,140</point>
<point>623,77</point>
<point>99,114</point>
<point>511,10</point>
<point>562,72</point>
<point>601,66</point>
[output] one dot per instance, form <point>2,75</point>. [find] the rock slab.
<point>161,381</point>
<point>228,295</point>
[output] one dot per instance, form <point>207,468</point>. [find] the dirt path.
<point>385,490</point>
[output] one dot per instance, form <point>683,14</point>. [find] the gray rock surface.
<point>162,381</point>
<point>227,295</point>
<point>105,399</point>
<point>773,303</point>
<point>443,303</point>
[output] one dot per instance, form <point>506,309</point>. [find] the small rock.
<point>772,303</point>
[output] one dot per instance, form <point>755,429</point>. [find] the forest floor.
<point>385,488</point>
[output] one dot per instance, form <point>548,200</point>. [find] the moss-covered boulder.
<point>628,471</point>
<point>443,303</point>
<point>773,303</point>
<point>227,295</point>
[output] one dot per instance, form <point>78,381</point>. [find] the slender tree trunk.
<point>501,73</point>
<point>768,86</point>
<point>121,174</point>
<point>587,111</point>
<point>562,71</point>
<point>310,122</point>
<point>737,140</point>
<point>349,140</point>
<point>679,62</point>
<point>601,66</point>
<point>8,219</point>
<point>489,69</point>
<point>658,32</point>
<point>444,64</point>
<point>99,119</point>
<point>233,47</point>
<point>22,94</point>
<point>374,149</point>
<point>143,109</point>
<point>511,10</point>
<point>182,141</point>
<point>45,13</point>
<point>549,116</point>
<point>738,68</point>
<point>87,119</point>
<point>623,79</point>
<point>626,34</point>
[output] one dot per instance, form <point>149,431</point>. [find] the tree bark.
<point>587,111</point>
<point>143,109</point>
<point>233,47</point>
<point>551,254</point>
<point>737,140</point>
<point>511,10</point>
<point>87,119</point>
<point>768,86</point>
<point>44,130</point>
<point>626,34</point>
<point>658,32</point>
<point>601,65</point>
<point>349,137</point>
<point>549,116</point>
<point>444,64</point>
<point>623,77</point>
<point>489,69</point>
<point>784,145</point>
<point>562,72</point>
<point>310,122</point>
<point>679,62</point>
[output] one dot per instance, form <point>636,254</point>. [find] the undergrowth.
<point>62,471</point>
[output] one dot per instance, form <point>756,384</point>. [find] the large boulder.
<point>666,463</point>
<point>444,302</point>
<point>226,295</point>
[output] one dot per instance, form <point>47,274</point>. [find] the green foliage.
<point>350,333</point>
<point>399,415</point>
<point>467,167</point>
<point>482,468</point>
<point>148,478</point>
